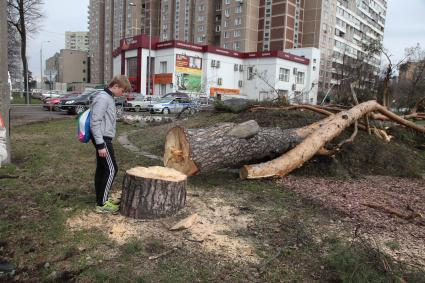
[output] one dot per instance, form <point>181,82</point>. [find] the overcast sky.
<point>405,27</point>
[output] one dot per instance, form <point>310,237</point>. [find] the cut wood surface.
<point>200,150</point>
<point>152,192</point>
<point>185,223</point>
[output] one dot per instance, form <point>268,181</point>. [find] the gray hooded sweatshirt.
<point>103,117</point>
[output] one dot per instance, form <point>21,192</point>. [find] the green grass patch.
<point>360,262</point>
<point>18,99</point>
<point>53,181</point>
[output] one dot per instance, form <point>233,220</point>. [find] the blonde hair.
<point>122,82</point>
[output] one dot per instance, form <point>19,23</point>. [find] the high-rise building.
<point>77,40</point>
<point>342,29</point>
<point>96,40</point>
<point>339,28</point>
<point>112,20</point>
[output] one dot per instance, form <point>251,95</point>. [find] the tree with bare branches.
<point>24,16</point>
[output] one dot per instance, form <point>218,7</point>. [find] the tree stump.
<point>152,192</point>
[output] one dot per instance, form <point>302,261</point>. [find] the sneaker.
<point>107,207</point>
<point>114,201</point>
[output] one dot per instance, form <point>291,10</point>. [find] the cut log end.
<point>158,173</point>
<point>177,152</point>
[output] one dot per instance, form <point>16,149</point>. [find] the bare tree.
<point>14,55</point>
<point>24,16</point>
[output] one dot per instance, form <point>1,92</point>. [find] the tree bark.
<point>200,150</point>
<point>152,192</point>
<point>333,127</point>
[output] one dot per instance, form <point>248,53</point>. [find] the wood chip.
<point>185,223</point>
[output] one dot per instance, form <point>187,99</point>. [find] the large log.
<point>226,145</point>
<point>333,126</point>
<point>152,192</point>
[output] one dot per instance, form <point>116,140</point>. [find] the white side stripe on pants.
<point>111,176</point>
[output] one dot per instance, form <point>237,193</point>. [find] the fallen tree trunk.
<point>333,127</point>
<point>195,150</point>
<point>231,145</point>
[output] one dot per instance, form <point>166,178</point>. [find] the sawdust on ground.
<point>215,231</point>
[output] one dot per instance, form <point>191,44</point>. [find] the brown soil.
<point>360,203</point>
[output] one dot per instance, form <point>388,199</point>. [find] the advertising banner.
<point>188,73</point>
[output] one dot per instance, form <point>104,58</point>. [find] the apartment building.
<point>112,20</point>
<point>280,24</point>
<point>72,66</point>
<point>77,40</point>
<point>96,22</point>
<point>339,28</point>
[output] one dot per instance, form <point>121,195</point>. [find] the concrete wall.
<point>72,68</point>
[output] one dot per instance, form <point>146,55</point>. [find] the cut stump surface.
<point>152,192</point>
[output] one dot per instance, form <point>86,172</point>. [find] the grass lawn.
<point>255,231</point>
<point>18,99</point>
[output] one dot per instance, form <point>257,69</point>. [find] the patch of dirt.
<point>216,231</point>
<point>372,203</point>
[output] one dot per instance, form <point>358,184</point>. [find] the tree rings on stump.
<point>152,192</point>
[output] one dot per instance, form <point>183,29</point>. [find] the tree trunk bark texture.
<point>200,150</point>
<point>152,192</point>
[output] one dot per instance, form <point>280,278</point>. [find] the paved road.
<point>24,114</point>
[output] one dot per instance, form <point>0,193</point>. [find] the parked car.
<point>54,103</point>
<point>141,103</point>
<point>171,105</point>
<point>80,103</point>
<point>132,95</point>
<point>77,105</point>
<point>175,95</point>
<point>50,94</point>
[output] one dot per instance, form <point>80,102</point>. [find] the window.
<point>238,21</point>
<point>163,89</point>
<point>250,73</point>
<point>163,66</point>
<point>132,67</point>
<point>238,9</point>
<point>284,75</point>
<point>201,28</point>
<point>237,33</point>
<point>300,77</point>
<point>225,35</point>
<point>217,28</point>
<point>237,45</point>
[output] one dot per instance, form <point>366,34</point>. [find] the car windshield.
<point>163,101</point>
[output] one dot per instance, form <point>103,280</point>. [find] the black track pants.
<point>106,170</point>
